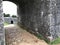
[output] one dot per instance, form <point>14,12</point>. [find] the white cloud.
<point>9,8</point>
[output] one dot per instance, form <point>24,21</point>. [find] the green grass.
<point>5,23</point>
<point>41,37</point>
<point>57,41</point>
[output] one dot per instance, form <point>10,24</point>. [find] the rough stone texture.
<point>40,16</point>
<point>54,18</point>
<point>2,32</point>
<point>35,16</point>
<point>58,18</point>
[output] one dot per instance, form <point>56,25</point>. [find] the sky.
<point>9,8</point>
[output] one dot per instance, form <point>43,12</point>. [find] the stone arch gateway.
<point>40,16</point>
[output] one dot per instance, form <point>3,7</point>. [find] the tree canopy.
<point>14,16</point>
<point>6,15</point>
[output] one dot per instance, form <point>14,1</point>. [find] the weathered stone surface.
<point>2,32</point>
<point>40,16</point>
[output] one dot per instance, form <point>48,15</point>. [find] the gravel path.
<point>18,36</point>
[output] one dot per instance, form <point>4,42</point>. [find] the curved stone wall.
<point>40,16</point>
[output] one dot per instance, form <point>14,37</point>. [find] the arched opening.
<point>11,21</point>
<point>10,12</point>
<point>34,17</point>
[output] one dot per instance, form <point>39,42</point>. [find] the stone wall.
<point>9,19</point>
<point>55,28</point>
<point>2,31</point>
<point>34,15</point>
<point>39,16</point>
<point>55,18</point>
<point>58,19</point>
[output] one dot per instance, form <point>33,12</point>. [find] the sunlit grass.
<point>5,23</point>
<point>57,41</point>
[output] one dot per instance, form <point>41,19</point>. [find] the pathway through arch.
<point>18,36</point>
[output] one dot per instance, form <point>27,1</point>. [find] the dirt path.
<point>18,36</point>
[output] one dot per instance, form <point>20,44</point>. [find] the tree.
<point>14,16</point>
<point>6,15</point>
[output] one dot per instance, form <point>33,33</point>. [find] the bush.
<point>14,16</point>
<point>42,37</point>
<point>56,41</point>
<point>6,15</point>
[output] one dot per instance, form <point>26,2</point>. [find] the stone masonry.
<point>39,16</point>
<point>2,31</point>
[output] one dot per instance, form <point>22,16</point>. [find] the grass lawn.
<point>5,23</point>
<point>57,41</point>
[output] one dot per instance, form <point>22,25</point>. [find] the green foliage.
<point>14,16</point>
<point>57,41</point>
<point>6,15</point>
<point>41,37</point>
<point>47,40</point>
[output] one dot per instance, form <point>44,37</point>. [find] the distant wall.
<point>9,19</point>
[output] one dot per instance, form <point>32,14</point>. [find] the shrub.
<point>14,16</point>
<point>6,15</point>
